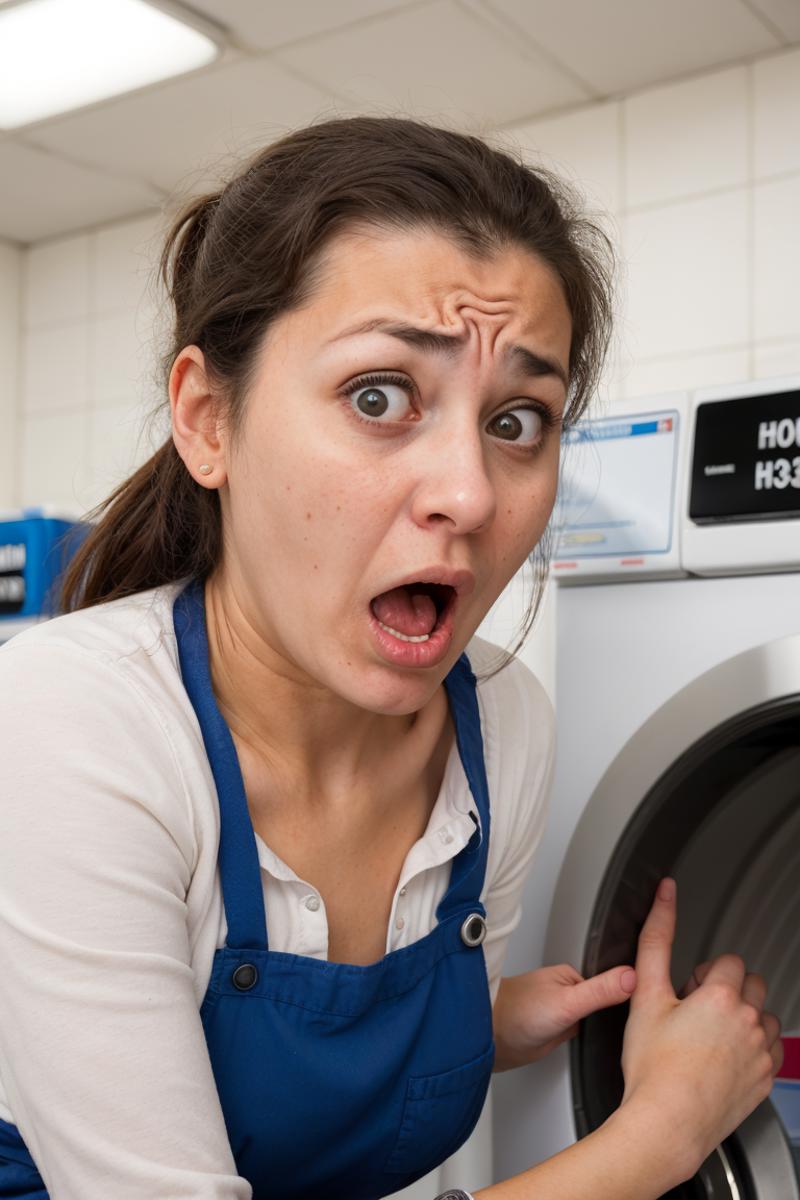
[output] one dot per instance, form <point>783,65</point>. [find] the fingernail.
<point>666,889</point>
<point>628,980</point>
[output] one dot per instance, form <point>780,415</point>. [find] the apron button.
<point>473,931</point>
<point>245,977</point>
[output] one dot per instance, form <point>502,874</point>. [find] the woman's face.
<point>402,426</point>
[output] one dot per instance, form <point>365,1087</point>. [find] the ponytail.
<point>157,527</point>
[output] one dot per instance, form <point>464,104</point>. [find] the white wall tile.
<point>55,368</point>
<point>687,278</point>
<point>583,145</point>
<point>776,113</point>
<point>56,284</point>
<point>53,461</point>
<point>11,266</point>
<point>777,258</point>
<point>124,258</point>
<point>686,138</point>
<point>776,359</point>
<point>119,442</point>
<point>686,372</point>
<point>121,363</point>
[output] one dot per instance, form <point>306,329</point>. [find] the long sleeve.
<point>102,1052</point>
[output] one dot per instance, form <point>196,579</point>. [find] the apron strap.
<point>240,872</point>
<point>469,866</point>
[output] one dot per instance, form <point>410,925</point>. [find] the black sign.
<point>746,463</point>
<point>12,577</point>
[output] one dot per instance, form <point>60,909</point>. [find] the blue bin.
<point>36,545</point>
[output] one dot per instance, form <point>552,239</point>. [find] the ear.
<point>196,429</point>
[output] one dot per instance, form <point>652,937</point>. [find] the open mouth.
<point>413,612</point>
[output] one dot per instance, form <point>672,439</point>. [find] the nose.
<point>454,484</point>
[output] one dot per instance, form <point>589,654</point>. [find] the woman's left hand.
<point>537,1011</point>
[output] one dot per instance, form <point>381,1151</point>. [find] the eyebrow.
<point>531,364</point>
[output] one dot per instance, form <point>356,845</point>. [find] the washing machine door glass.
<point>724,820</point>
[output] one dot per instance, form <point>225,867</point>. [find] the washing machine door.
<point>707,790</point>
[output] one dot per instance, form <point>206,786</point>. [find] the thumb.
<point>602,991</point>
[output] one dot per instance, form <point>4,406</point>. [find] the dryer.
<point>678,706</point>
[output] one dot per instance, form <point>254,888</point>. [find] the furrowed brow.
<point>524,360</point>
<point>536,364</point>
<point>421,339</point>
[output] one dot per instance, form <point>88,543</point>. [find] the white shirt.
<point>111,909</point>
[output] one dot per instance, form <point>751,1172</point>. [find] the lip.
<point>460,580</point>
<point>430,653</point>
<point>417,654</point>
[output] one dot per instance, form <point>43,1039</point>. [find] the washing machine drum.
<point>724,820</point>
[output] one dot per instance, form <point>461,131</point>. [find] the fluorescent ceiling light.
<point>56,55</point>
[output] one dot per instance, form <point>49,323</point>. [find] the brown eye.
<point>380,398</point>
<point>521,425</point>
<point>372,401</point>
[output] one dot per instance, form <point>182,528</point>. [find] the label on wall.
<point>746,462</point>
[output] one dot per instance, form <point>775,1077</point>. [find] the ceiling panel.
<point>263,25</point>
<point>618,45</point>
<point>181,133</point>
<point>783,15</point>
<point>43,196</point>
<point>438,61</point>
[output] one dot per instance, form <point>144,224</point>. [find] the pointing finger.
<point>655,945</point>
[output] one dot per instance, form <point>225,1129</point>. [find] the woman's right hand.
<point>697,1065</point>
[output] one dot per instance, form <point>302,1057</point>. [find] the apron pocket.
<point>439,1114</point>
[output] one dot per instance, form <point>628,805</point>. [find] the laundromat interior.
<point>668,638</point>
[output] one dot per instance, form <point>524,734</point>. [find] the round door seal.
<point>473,931</point>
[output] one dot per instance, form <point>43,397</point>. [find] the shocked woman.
<point>269,803</point>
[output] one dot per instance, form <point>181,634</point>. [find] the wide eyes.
<point>519,425</point>
<point>378,401</point>
<point>385,400</point>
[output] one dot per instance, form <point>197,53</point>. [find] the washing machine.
<point>678,713</point>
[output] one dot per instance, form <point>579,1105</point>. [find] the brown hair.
<point>237,259</point>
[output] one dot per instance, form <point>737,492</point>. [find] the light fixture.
<point>58,55</point>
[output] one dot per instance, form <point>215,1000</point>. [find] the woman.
<point>269,809</point>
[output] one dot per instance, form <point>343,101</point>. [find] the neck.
<point>313,741</point>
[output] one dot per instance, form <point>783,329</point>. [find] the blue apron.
<point>337,1081</point>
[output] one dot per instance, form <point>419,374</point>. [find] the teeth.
<point>403,636</point>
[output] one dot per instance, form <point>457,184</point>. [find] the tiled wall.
<point>10,285</point>
<point>701,180</point>
<point>698,183</point>
<point>87,361</point>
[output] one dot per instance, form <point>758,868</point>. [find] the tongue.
<point>410,612</point>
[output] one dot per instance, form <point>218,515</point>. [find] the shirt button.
<point>403,891</point>
<point>399,923</point>
<point>311,903</point>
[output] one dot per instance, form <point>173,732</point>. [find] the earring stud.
<point>205,469</point>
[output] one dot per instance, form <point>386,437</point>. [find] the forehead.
<point>426,278</point>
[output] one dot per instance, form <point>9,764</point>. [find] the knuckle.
<point>723,995</point>
<point>751,1016</point>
